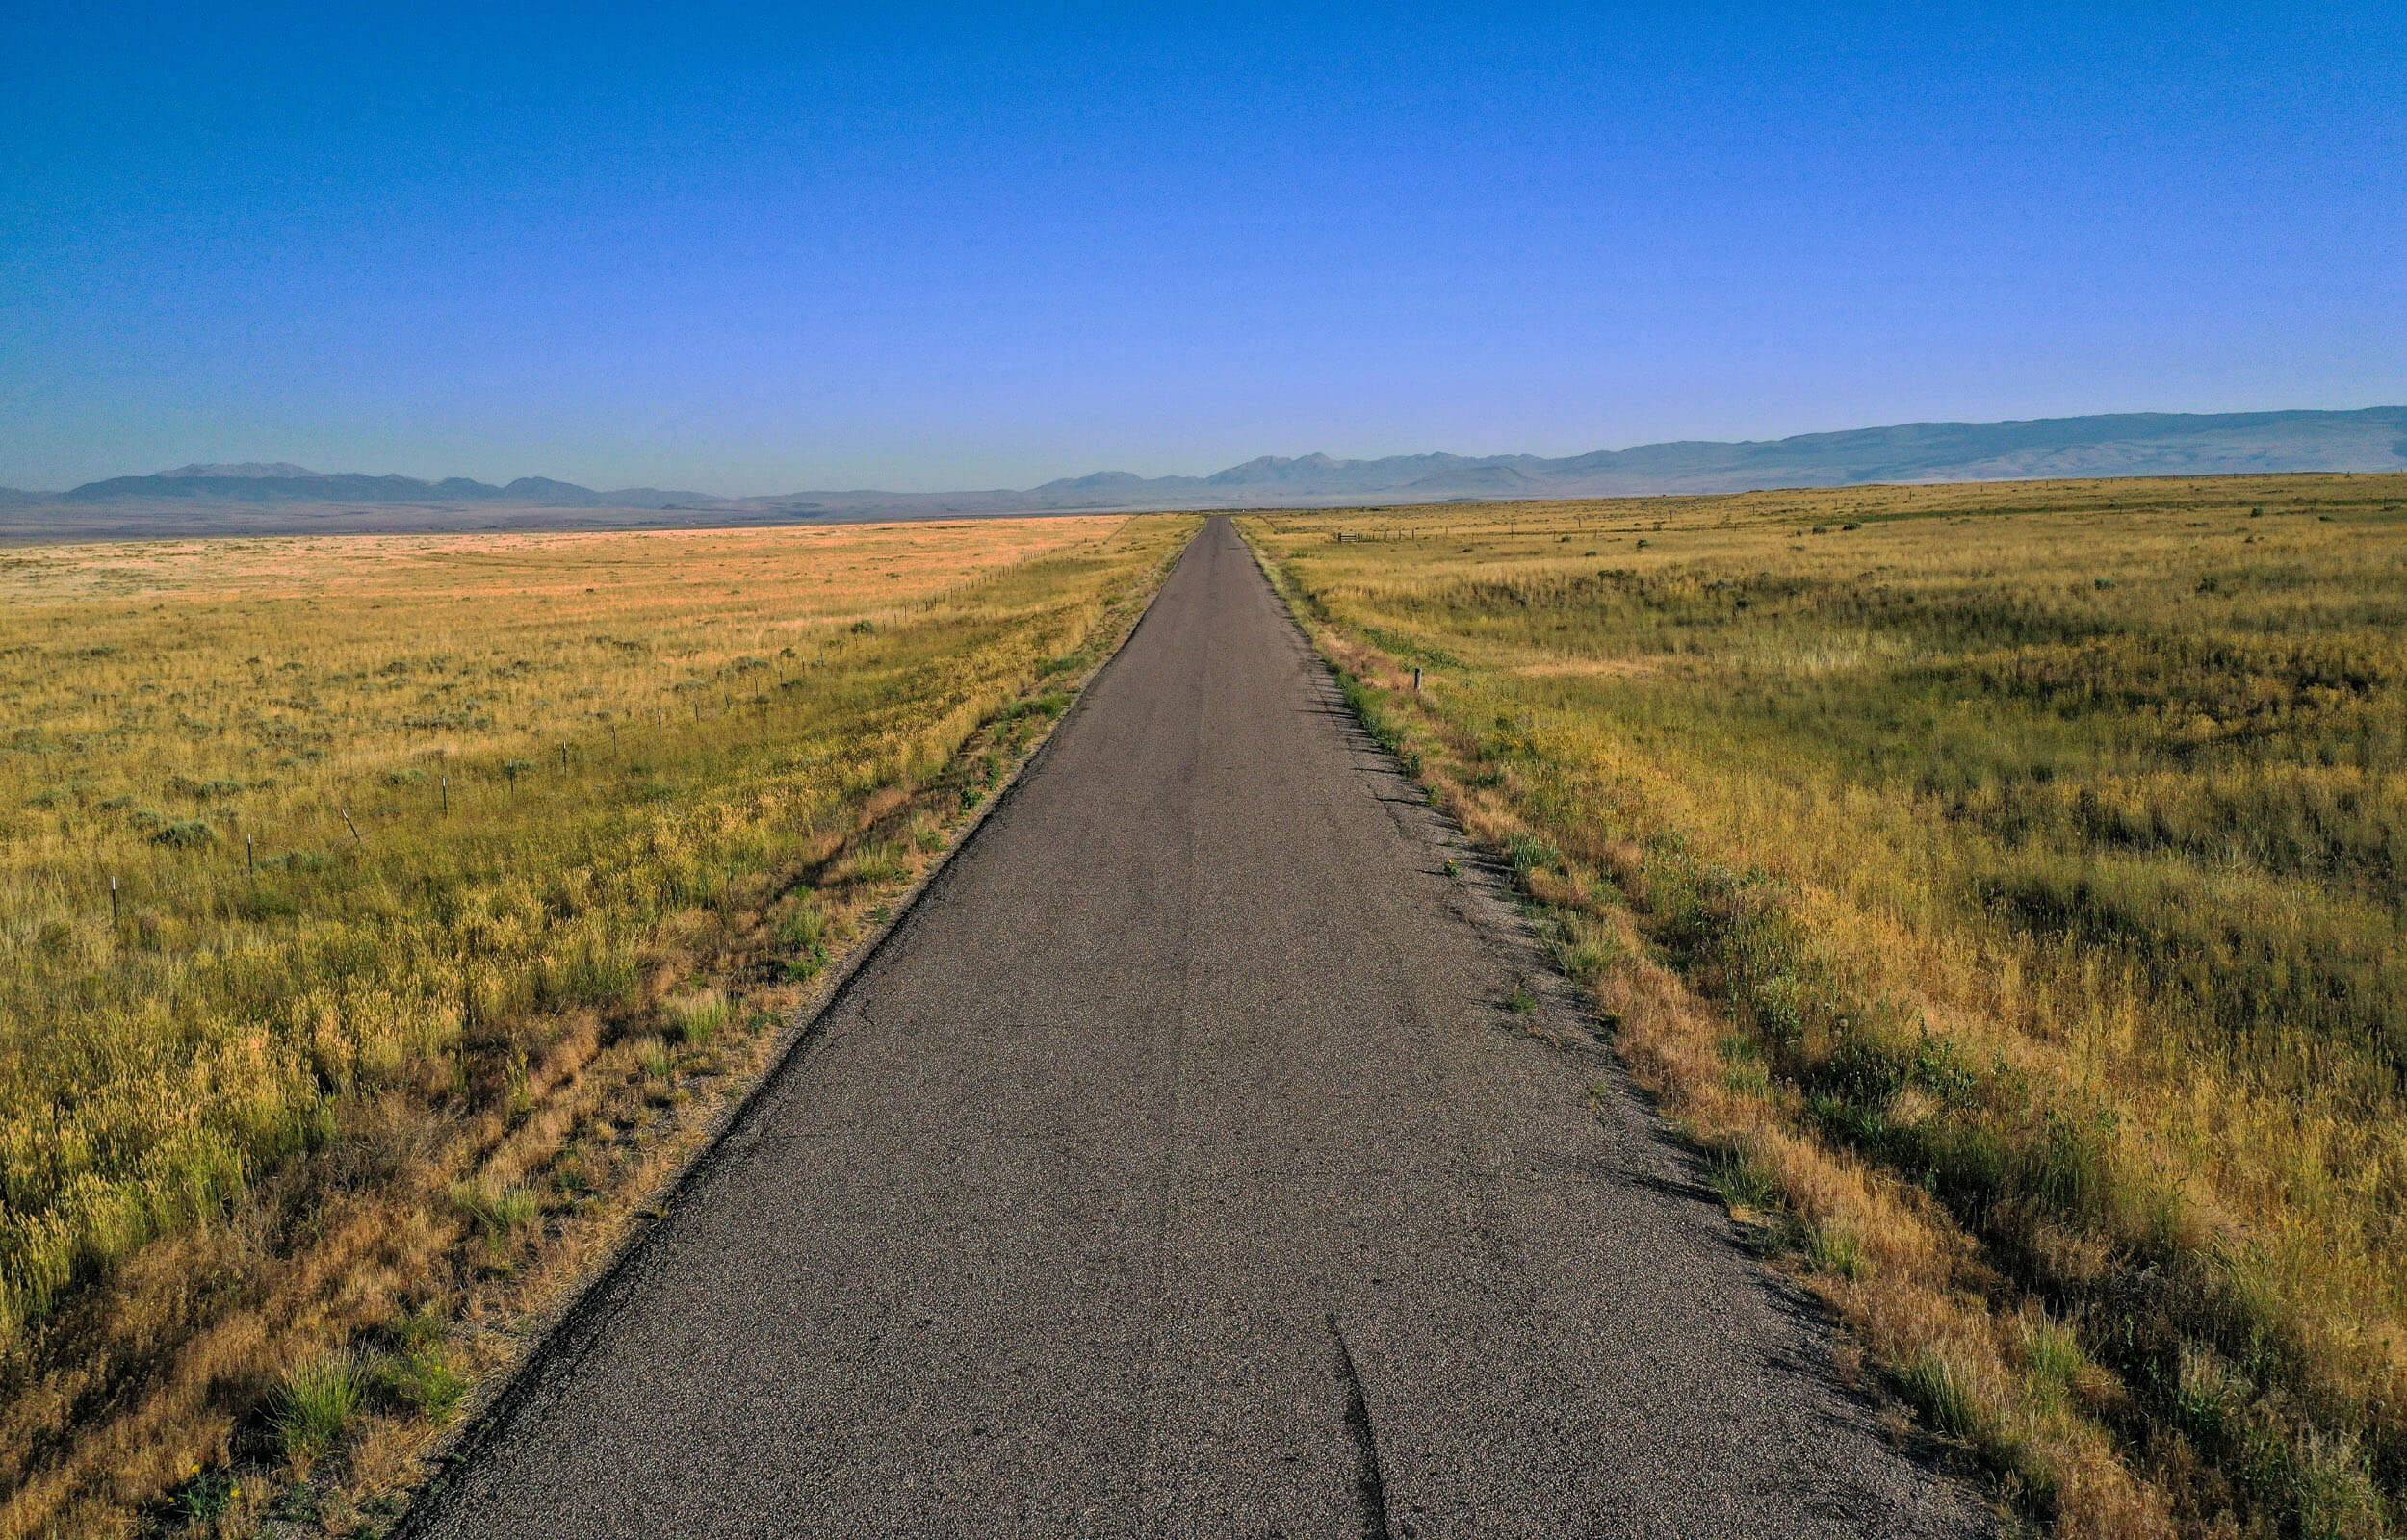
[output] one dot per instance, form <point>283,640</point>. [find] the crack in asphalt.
<point>1370,1482</point>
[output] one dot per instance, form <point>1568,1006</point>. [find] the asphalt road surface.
<point>1176,1168</point>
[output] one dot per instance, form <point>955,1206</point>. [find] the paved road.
<point>1174,1171</point>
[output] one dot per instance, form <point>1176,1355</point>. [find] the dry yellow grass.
<point>2005,881</point>
<point>456,882</point>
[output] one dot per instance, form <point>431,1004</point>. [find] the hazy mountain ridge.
<point>2126,443</point>
<point>2371,439</point>
<point>280,483</point>
<point>248,468</point>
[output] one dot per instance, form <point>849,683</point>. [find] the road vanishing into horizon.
<point>1178,1168</point>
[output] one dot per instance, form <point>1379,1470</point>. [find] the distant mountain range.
<point>295,483</point>
<point>2132,444</point>
<point>2124,445</point>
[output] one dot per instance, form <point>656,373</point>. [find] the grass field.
<point>381,916</point>
<point>2003,886</point>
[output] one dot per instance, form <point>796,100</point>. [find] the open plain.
<point>1858,1011</point>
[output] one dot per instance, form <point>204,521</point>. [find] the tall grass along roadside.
<point>2003,885</point>
<point>377,912</point>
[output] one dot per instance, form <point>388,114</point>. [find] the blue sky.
<point>764,248</point>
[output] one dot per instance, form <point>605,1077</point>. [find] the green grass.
<point>420,1374</point>
<point>1745,1186</point>
<point>501,1213</point>
<point>1834,1249</point>
<point>317,1406</point>
<point>697,1017</point>
<point>1943,1394</point>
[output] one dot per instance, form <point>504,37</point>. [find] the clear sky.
<point>764,248</point>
